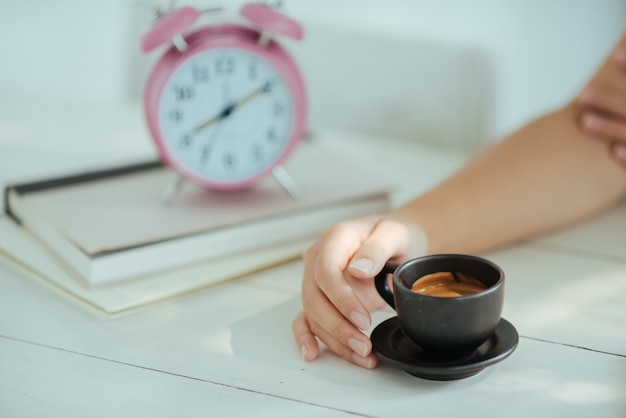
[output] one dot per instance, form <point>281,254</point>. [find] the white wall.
<point>67,48</point>
<point>541,51</point>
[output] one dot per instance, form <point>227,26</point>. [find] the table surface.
<point>228,350</point>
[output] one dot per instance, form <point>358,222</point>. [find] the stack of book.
<point>106,237</point>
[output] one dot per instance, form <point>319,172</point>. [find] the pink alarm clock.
<point>225,104</point>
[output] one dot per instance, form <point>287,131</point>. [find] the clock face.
<point>225,115</point>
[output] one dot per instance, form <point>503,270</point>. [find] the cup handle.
<point>382,284</point>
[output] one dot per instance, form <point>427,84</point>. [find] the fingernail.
<point>360,320</point>
<point>620,57</point>
<point>303,351</point>
<point>620,152</point>
<point>366,362</point>
<point>587,97</point>
<point>358,347</point>
<point>362,264</point>
<point>593,123</point>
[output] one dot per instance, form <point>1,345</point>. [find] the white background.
<point>533,55</point>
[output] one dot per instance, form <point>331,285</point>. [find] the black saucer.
<point>392,346</point>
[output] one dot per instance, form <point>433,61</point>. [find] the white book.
<point>21,250</point>
<point>111,225</point>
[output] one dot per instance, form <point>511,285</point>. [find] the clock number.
<point>224,66</point>
<point>185,141</point>
<point>206,151</point>
<point>279,109</point>
<point>229,160</point>
<point>257,152</point>
<point>267,87</point>
<point>176,115</point>
<point>271,134</point>
<point>183,93</point>
<point>253,71</point>
<point>200,73</point>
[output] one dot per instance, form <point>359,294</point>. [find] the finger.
<point>604,127</point>
<point>332,328</point>
<point>325,291</point>
<point>351,352</point>
<point>620,58</point>
<point>340,243</point>
<point>328,316</point>
<point>389,239</point>
<point>606,100</point>
<point>322,320</point>
<point>309,348</point>
<point>618,151</point>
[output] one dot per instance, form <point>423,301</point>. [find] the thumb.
<point>389,239</point>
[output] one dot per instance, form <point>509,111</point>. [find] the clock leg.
<point>172,190</point>
<point>264,38</point>
<point>284,180</point>
<point>180,43</point>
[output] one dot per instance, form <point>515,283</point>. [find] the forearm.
<point>545,176</point>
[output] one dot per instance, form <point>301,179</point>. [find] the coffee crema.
<point>444,284</point>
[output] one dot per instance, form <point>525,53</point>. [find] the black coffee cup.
<point>445,326</point>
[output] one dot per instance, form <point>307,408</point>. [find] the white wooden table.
<point>228,351</point>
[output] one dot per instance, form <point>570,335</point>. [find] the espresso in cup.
<point>447,285</point>
<point>459,322</point>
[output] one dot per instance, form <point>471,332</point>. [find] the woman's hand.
<point>337,287</point>
<point>604,114</point>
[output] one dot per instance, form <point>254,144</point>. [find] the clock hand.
<point>206,150</point>
<point>261,89</point>
<point>226,112</point>
<point>209,122</point>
